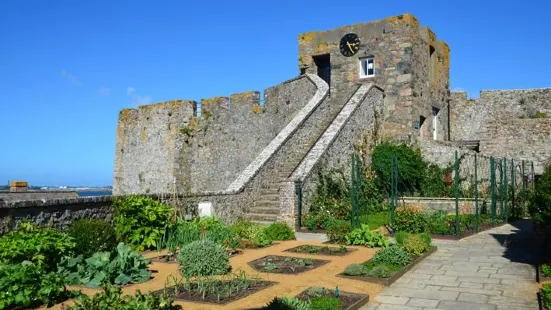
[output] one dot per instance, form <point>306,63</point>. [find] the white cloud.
<point>70,77</point>
<point>137,99</point>
<point>103,91</point>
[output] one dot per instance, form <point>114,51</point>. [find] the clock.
<point>350,44</point>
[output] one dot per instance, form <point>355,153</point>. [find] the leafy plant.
<point>43,246</point>
<point>325,303</point>
<point>279,231</point>
<point>355,270</point>
<point>92,235</point>
<point>415,245</point>
<point>364,236</point>
<point>202,258</point>
<point>141,221</point>
<point>287,303</point>
<point>111,298</point>
<point>337,231</point>
<point>318,221</point>
<point>546,295</point>
<point>392,255</point>
<point>546,270</point>
<point>411,220</point>
<point>380,271</point>
<point>119,267</point>
<point>539,203</point>
<point>24,285</point>
<point>400,236</point>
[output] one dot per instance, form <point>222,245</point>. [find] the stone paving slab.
<point>476,273</point>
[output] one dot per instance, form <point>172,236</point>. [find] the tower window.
<point>367,67</point>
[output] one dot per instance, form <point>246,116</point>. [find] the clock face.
<point>350,44</point>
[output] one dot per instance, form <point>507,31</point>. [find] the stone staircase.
<point>266,207</point>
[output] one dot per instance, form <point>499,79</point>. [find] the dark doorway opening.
<point>323,62</point>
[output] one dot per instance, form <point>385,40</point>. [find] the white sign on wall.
<point>205,208</point>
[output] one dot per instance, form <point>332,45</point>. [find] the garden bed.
<point>220,292</point>
<point>286,264</point>
<point>172,258</point>
<point>350,301</point>
<point>395,274</point>
<point>321,250</point>
<point>467,233</point>
<point>541,302</point>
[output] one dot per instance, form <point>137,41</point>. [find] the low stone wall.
<point>59,213</point>
<point>36,195</point>
<point>466,205</point>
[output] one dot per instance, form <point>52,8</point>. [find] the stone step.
<point>264,210</point>
<point>267,203</point>
<point>269,191</point>
<point>261,217</point>
<point>270,197</point>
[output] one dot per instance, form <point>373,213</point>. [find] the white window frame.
<point>366,61</point>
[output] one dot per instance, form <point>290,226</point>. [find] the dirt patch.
<point>215,292</point>
<point>350,301</point>
<point>395,275</point>
<point>286,264</point>
<point>321,250</point>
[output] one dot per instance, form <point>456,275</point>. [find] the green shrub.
<point>426,238</point>
<point>203,258</point>
<point>539,204</point>
<point>410,164</point>
<point>337,230</point>
<point>92,235</point>
<point>241,227</point>
<point>432,183</point>
<point>43,246</point>
<point>546,270</point>
<point>380,271</point>
<point>111,298</point>
<point>279,231</point>
<point>287,303</point>
<point>393,254</point>
<point>546,295</point>
<point>355,270</point>
<point>141,221</point>
<point>415,245</point>
<point>119,267</point>
<point>325,303</point>
<point>400,236</point>
<point>257,235</point>
<point>411,220</point>
<point>364,236</point>
<point>318,221</point>
<point>24,286</point>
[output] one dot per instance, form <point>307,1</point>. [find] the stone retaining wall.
<point>466,205</point>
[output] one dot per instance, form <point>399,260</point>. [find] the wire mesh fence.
<point>473,191</point>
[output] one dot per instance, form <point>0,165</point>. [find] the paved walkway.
<point>487,271</point>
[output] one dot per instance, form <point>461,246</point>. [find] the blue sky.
<point>68,67</point>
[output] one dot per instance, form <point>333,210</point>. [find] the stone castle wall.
<point>165,147</point>
<point>508,123</point>
<point>401,50</point>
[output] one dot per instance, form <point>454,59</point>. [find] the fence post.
<point>456,195</point>
<point>392,189</point>
<point>298,192</point>
<point>395,183</point>
<point>476,194</point>
<point>493,187</point>
<point>533,175</point>
<point>523,189</point>
<point>513,181</point>
<point>506,190</point>
<point>353,192</point>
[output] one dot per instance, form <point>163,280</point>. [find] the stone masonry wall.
<point>35,195</point>
<point>163,148</point>
<point>508,123</point>
<point>59,213</point>
<point>401,52</point>
<point>527,139</point>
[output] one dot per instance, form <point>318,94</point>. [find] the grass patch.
<point>376,220</point>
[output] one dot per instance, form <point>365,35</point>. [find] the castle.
<point>385,79</point>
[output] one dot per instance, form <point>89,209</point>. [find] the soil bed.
<point>395,274</point>
<point>350,301</point>
<point>321,250</point>
<point>193,294</point>
<point>286,264</point>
